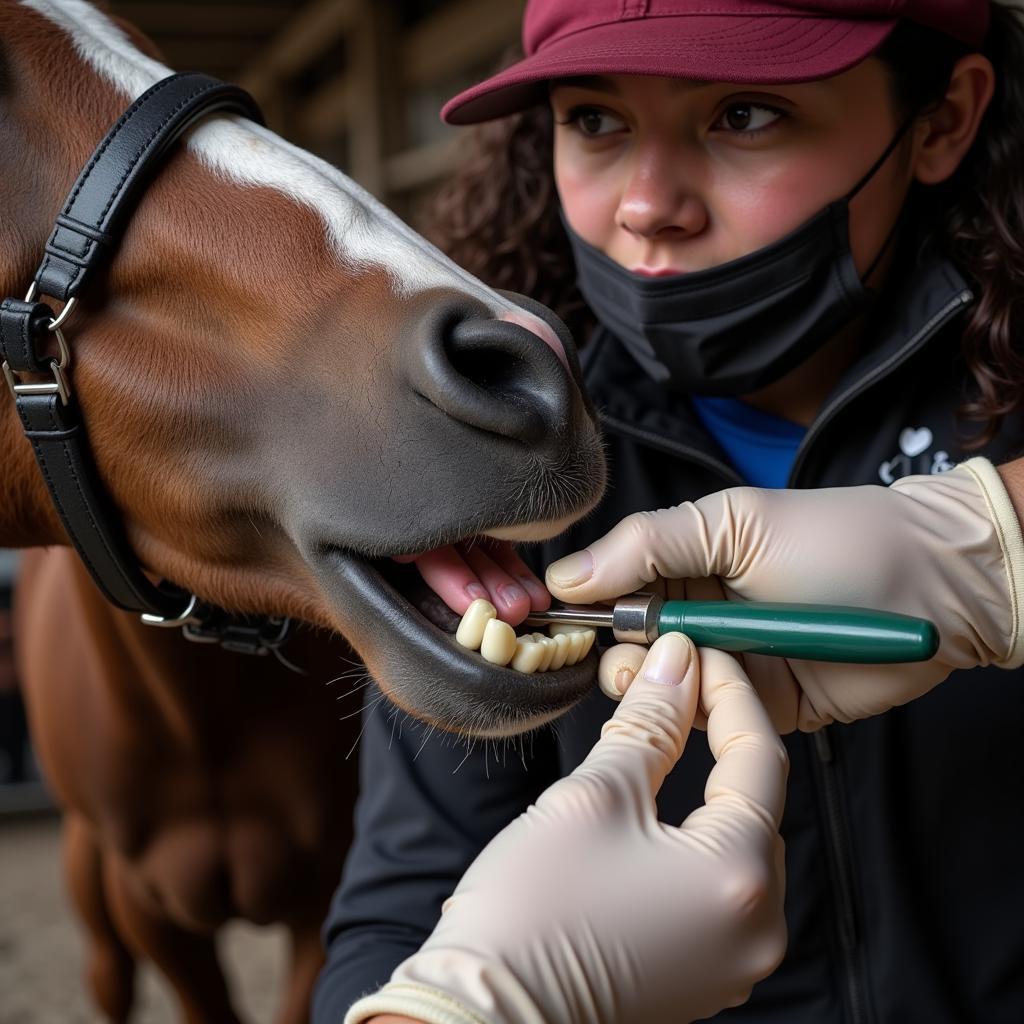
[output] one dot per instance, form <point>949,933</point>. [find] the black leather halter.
<point>85,236</point>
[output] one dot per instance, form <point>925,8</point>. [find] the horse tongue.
<point>437,585</point>
<point>455,585</point>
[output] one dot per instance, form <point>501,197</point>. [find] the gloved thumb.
<point>641,743</point>
<point>671,543</point>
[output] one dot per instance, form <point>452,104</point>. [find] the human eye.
<point>593,122</point>
<point>748,118</point>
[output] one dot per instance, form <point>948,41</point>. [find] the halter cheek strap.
<point>85,237</point>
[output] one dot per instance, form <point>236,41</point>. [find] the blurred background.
<point>359,83</point>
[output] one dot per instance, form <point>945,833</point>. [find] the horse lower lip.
<point>422,668</point>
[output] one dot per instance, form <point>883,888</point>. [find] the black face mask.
<point>733,329</point>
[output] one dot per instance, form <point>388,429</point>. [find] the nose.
<point>500,376</point>
<point>657,201</point>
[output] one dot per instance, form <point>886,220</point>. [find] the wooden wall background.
<point>359,82</point>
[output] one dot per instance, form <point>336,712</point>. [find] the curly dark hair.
<point>498,214</point>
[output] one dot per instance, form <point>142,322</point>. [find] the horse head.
<point>285,386</point>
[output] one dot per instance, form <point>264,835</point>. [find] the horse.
<point>285,390</point>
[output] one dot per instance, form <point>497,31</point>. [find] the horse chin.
<point>421,668</point>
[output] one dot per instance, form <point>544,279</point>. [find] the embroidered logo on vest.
<point>915,457</point>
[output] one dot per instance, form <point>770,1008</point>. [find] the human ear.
<point>952,126</point>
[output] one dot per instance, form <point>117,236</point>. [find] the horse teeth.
<point>471,629</point>
<point>528,656</point>
<point>499,642</point>
<point>547,646</point>
<point>481,630</point>
<point>581,639</point>
<point>577,641</point>
<point>562,648</point>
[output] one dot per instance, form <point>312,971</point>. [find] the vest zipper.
<point>917,341</point>
<point>825,770</point>
<point>842,891</point>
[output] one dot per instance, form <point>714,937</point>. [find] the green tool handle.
<point>811,632</point>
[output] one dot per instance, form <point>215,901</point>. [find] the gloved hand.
<point>946,548</point>
<point>587,910</point>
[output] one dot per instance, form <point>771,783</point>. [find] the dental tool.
<point>806,631</point>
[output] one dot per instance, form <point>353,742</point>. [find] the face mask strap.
<point>885,247</point>
<point>889,150</point>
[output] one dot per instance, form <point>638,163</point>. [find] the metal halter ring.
<point>60,385</point>
<point>183,618</point>
<point>58,321</point>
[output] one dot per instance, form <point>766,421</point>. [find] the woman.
<point>795,225</point>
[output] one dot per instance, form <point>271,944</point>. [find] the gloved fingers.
<point>847,693</point>
<point>643,740</point>
<point>777,685</point>
<point>618,668</point>
<point>748,781</point>
<point>671,543</point>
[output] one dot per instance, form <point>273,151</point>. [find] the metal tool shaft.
<point>634,619</point>
<point>573,615</point>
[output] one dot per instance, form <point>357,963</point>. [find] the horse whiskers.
<point>351,714</point>
<point>370,709</point>
<point>355,690</point>
<point>349,674</point>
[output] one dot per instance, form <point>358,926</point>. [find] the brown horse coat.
<point>282,386</point>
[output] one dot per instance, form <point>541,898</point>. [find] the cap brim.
<point>718,48</point>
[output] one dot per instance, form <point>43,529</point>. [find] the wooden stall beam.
<point>456,38</point>
<point>325,113</point>
<point>317,26</point>
<point>374,100</point>
<point>237,19</point>
<point>415,168</point>
<point>188,53</point>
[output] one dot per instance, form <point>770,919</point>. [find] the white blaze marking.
<point>360,228</point>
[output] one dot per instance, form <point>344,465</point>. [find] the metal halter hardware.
<point>58,367</point>
<point>85,236</point>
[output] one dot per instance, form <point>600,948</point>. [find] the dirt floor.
<point>41,954</point>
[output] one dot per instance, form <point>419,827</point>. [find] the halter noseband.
<point>85,236</point>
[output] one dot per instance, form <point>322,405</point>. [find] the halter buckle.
<point>60,384</point>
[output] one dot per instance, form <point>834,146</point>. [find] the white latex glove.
<point>946,548</point>
<point>587,910</point>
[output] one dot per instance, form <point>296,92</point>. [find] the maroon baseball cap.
<point>707,40</point>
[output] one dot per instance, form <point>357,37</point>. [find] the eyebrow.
<point>602,83</point>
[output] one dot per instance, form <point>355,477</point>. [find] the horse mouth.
<point>405,634</point>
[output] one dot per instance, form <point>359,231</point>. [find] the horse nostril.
<point>537,326</point>
<point>500,376</point>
